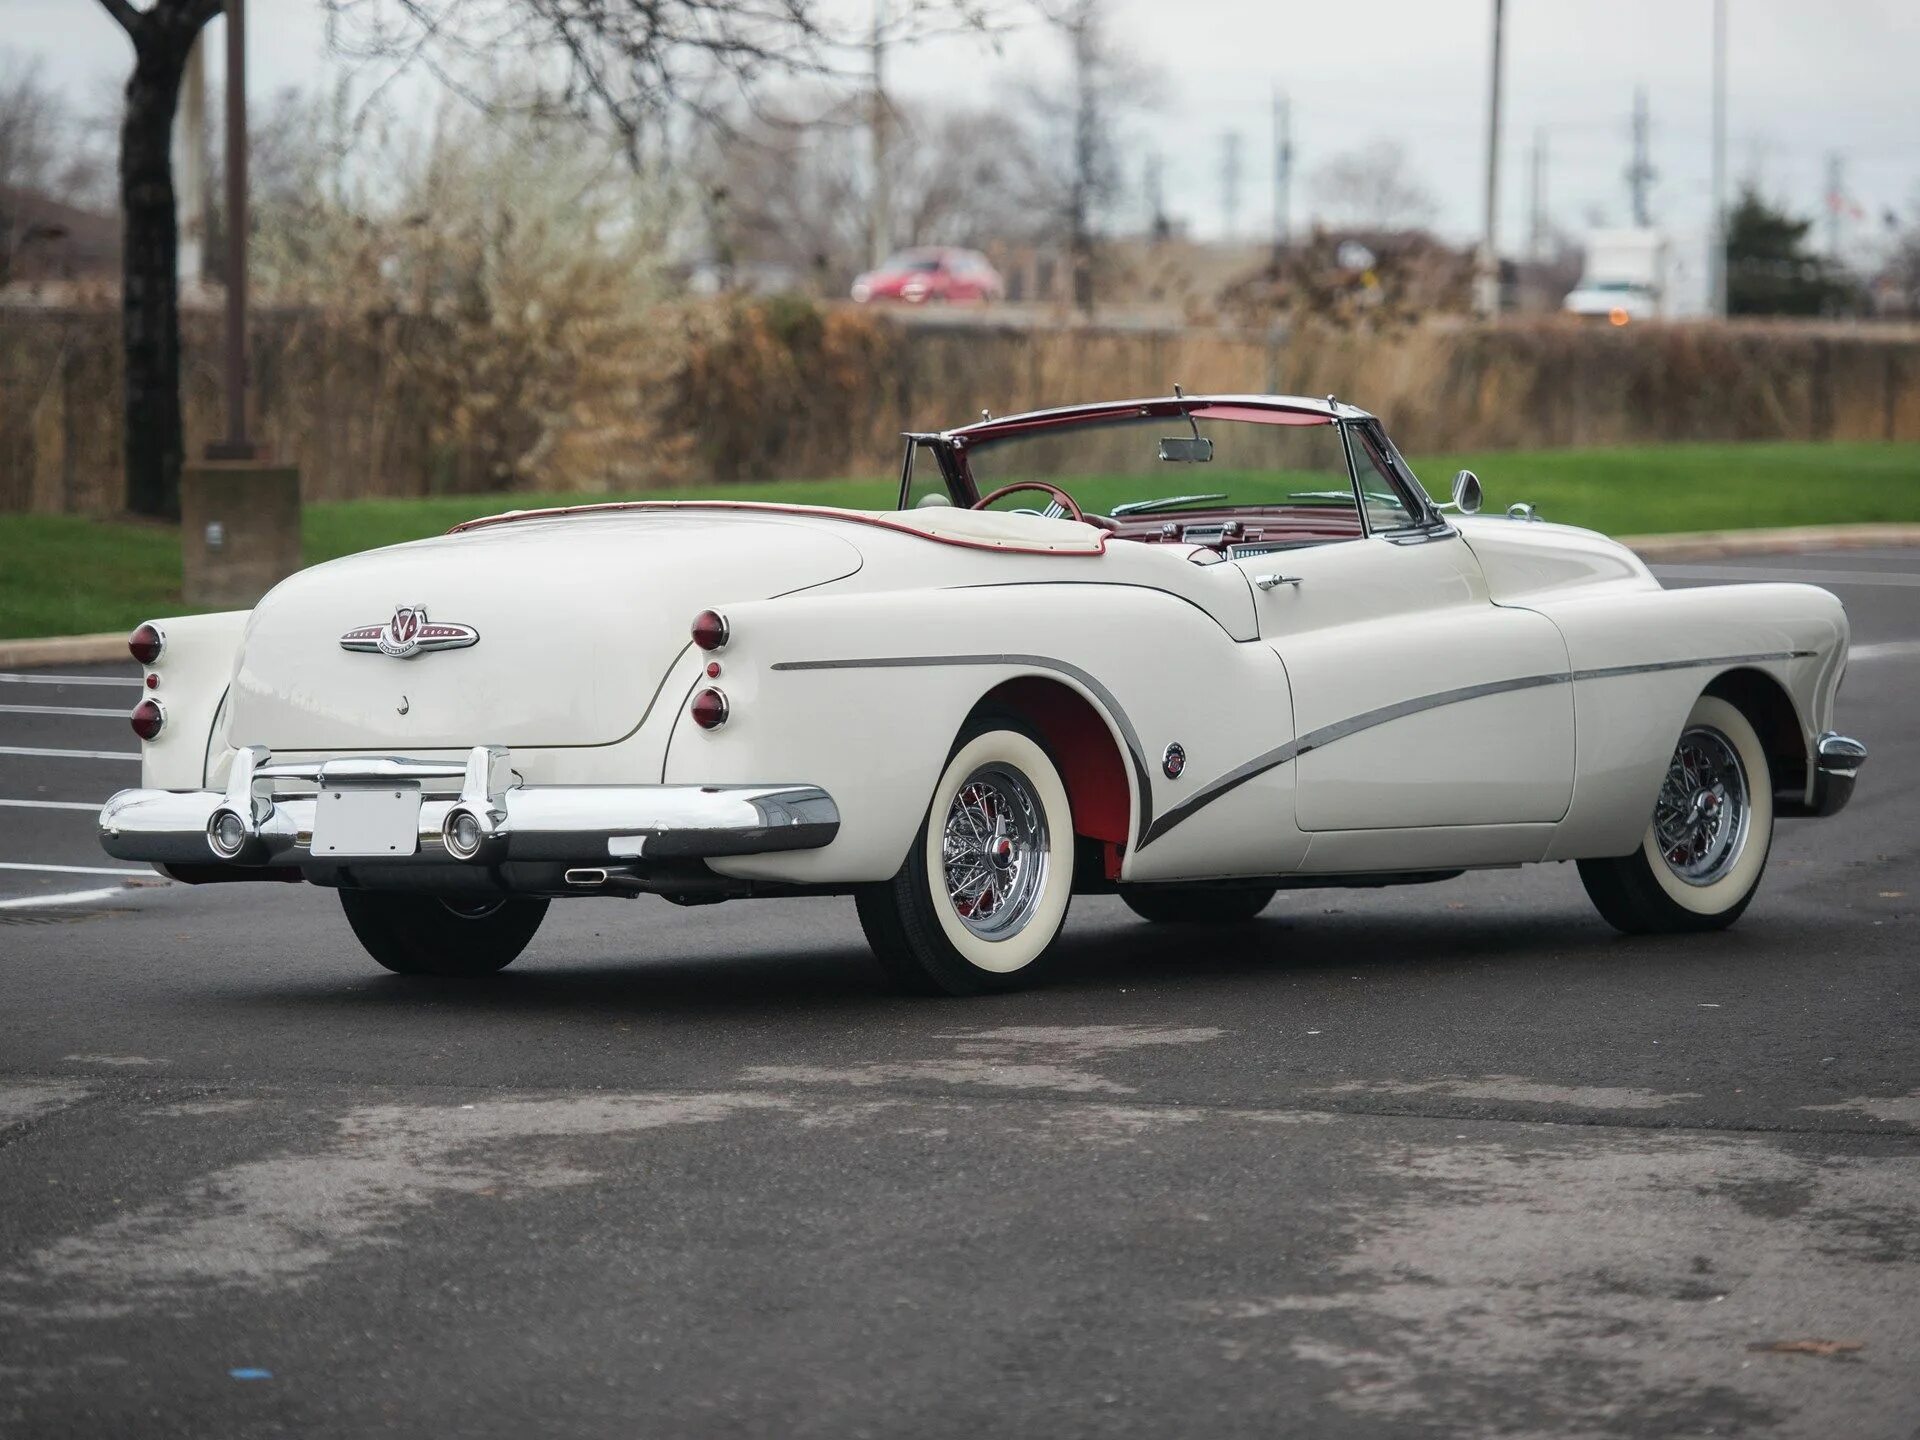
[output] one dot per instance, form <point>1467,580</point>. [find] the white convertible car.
<point>1193,650</point>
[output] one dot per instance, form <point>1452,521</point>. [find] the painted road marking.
<point>90,808</point>
<point>15,678</point>
<point>71,897</point>
<point>81,711</point>
<point>38,753</point>
<point>74,869</point>
<point>1805,577</point>
<point>1884,650</point>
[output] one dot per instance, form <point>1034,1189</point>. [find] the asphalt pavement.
<point>1453,1159</point>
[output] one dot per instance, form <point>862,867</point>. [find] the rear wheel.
<point>1702,857</point>
<point>426,935</point>
<point>1189,905</point>
<point>984,890</point>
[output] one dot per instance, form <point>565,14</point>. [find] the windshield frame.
<point>950,449</point>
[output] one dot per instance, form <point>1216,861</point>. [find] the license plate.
<point>365,822</point>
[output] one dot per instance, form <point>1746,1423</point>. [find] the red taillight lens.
<point>147,719</point>
<point>709,709</point>
<point>709,630</point>
<point>146,643</point>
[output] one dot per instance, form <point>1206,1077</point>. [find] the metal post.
<point>1717,246</point>
<point>879,224</point>
<point>1537,201</point>
<point>1487,282</point>
<point>236,446</point>
<point>1282,172</point>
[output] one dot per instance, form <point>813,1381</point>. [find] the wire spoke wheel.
<point>994,851</point>
<point>1700,819</point>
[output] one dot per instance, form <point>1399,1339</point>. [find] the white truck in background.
<point>1626,277</point>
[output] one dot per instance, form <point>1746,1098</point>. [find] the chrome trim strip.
<point>1151,828</point>
<point>1368,719</point>
<point>1135,750</point>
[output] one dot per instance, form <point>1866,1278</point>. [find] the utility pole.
<point>1282,172</point>
<point>1836,201</point>
<point>1640,173</point>
<point>190,163</point>
<point>1158,225</point>
<point>1487,278</point>
<point>1537,197</point>
<point>1230,182</point>
<point>1717,246</point>
<point>236,446</point>
<point>879,225</point>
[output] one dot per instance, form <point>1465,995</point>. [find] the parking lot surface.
<point>1451,1159</point>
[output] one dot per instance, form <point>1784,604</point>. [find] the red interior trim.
<point>770,507</point>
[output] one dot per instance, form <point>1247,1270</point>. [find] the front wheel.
<point>426,935</point>
<point>1701,859</point>
<point>984,890</point>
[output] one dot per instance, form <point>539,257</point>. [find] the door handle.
<point>1267,582</point>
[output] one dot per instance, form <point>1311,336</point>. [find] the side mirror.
<point>1466,493</point>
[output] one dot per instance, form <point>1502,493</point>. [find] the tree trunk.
<point>152,443</point>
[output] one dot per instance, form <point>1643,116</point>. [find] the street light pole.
<point>1487,279</point>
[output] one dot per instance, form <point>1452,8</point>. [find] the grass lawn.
<point>62,575</point>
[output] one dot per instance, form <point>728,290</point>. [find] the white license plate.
<point>363,822</point>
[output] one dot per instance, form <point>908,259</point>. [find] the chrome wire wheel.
<point>1701,818</point>
<point>994,852</point>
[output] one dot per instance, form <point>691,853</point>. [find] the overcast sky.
<point>1805,81</point>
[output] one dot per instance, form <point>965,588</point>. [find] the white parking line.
<point>1884,650</point>
<point>15,678</point>
<point>71,897</point>
<point>82,711</point>
<point>38,753</point>
<point>87,806</point>
<point>73,869</point>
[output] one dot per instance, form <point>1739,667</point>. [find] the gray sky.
<point>1804,81</point>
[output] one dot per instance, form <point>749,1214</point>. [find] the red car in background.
<point>932,273</point>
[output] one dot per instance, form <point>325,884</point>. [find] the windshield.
<point>1116,468</point>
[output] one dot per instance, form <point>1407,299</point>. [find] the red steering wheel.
<point>1061,497</point>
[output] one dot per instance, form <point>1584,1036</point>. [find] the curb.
<point>1768,542</point>
<point>63,650</point>
<point>101,649</point>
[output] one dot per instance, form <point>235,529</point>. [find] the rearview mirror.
<point>1186,449</point>
<point>1466,493</point>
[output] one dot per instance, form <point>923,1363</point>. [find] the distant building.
<point>49,251</point>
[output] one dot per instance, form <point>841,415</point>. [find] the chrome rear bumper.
<point>471,813</point>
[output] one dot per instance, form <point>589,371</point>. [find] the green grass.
<point>62,575</point>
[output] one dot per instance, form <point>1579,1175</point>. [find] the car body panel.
<point>1463,691</point>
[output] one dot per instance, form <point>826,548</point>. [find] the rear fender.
<point>193,673</point>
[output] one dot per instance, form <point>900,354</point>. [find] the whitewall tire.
<point>1704,851</point>
<point>984,891</point>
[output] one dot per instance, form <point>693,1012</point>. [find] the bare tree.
<point>1374,188</point>
<point>1079,178</point>
<point>794,184</point>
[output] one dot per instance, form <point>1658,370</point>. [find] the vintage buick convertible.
<point>1191,649</point>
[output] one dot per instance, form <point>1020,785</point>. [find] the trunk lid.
<point>577,619</point>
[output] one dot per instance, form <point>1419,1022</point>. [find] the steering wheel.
<point>1060,497</point>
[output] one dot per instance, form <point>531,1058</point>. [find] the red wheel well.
<point>1090,762</point>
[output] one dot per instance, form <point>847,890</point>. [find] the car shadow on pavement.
<point>1095,957</point>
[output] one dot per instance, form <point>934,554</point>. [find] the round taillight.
<point>709,630</point>
<point>147,719</point>
<point>146,643</point>
<point>709,709</point>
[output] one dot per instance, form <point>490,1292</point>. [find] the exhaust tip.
<point>587,877</point>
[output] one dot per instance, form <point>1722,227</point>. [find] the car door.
<point>1417,701</point>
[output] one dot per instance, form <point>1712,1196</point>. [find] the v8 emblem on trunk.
<point>408,633</point>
